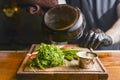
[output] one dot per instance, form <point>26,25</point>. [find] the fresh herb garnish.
<point>50,55</point>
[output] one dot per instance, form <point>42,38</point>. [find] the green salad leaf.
<point>48,56</point>
<point>70,54</point>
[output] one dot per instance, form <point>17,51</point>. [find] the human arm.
<point>114,31</point>
<point>95,38</point>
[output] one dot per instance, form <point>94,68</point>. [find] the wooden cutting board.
<point>69,71</point>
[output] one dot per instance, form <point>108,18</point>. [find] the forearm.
<point>114,32</point>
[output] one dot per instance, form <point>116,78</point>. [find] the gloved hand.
<point>95,38</point>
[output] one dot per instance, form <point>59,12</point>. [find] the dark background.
<point>19,32</point>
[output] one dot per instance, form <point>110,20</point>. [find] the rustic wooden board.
<point>69,71</point>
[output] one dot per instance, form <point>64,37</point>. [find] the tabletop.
<point>10,61</point>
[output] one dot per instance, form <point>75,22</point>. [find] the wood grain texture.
<point>10,61</point>
<point>69,71</point>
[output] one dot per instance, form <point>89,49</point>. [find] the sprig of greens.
<point>70,54</point>
<point>50,55</point>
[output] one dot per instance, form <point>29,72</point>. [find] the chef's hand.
<point>36,6</point>
<point>48,3</point>
<point>95,38</point>
<point>45,5</point>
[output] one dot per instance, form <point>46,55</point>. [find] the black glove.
<point>95,38</point>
